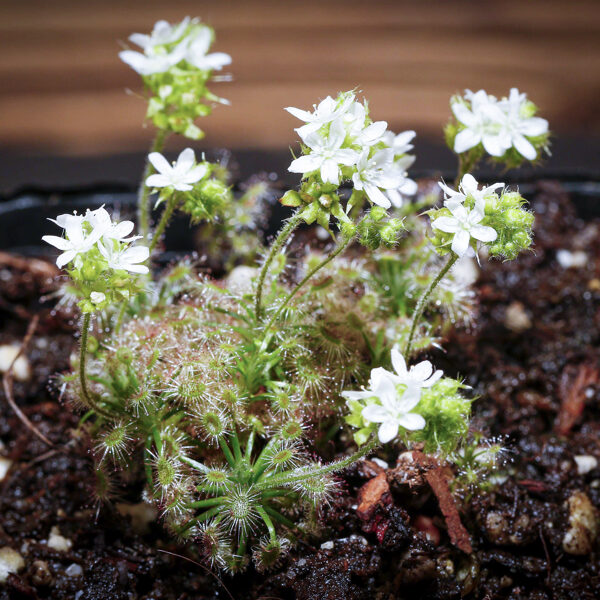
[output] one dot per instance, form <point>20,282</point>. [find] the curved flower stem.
<point>164,220</point>
<point>143,208</point>
<point>82,361</point>
<point>281,239</point>
<point>464,167</point>
<point>423,301</point>
<point>292,477</point>
<point>337,250</point>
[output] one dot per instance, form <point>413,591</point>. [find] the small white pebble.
<point>141,514</point>
<point>240,279</point>
<point>5,465</point>
<point>21,369</point>
<point>516,318</point>
<point>57,542</point>
<point>10,562</point>
<point>327,546</point>
<point>567,259</point>
<point>380,462</point>
<point>74,570</point>
<point>585,463</point>
<point>322,233</point>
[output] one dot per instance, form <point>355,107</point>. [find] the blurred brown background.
<point>63,87</point>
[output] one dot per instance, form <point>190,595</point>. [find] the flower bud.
<point>291,198</point>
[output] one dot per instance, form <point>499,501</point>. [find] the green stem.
<point>337,250</point>
<point>279,517</point>
<point>293,476</point>
<point>82,362</point>
<point>281,239</point>
<point>423,302</point>
<point>265,517</point>
<point>144,190</point>
<point>464,166</point>
<point>207,503</point>
<point>165,218</point>
<point>235,444</point>
<point>227,452</point>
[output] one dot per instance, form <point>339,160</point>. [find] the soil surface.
<point>533,359</point>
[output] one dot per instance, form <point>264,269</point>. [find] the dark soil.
<point>539,388</point>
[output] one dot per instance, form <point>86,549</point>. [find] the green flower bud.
<point>291,198</point>
<point>90,270</point>
<point>377,213</point>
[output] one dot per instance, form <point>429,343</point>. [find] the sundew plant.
<point>220,394</point>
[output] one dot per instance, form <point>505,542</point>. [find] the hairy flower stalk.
<point>164,220</point>
<point>422,302</point>
<point>143,196</point>
<point>340,247</point>
<point>85,325</point>
<point>276,246</point>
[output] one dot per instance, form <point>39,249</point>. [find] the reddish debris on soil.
<point>438,480</point>
<point>573,396</point>
<point>371,494</point>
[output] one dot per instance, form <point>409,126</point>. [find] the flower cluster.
<point>507,129</point>
<point>100,255</point>
<point>340,142</point>
<point>416,399</point>
<point>197,188</point>
<point>472,215</point>
<point>175,66</point>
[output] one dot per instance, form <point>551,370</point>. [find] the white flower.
<point>326,154</point>
<point>416,378</point>
<point>354,121</point>
<point>97,297</point>
<point>483,124</point>
<point>468,187</point>
<point>393,412</point>
<point>101,221</point>
<point>162,33</point>
<point>76,240</point>
<point>153,61</point>
<point>180,175</point>
<point>377,386</point>
<point>377,173</point>
<point>400,143</point>
<point>156,58</point>
<point>197,56</point>
<point>517,128</point>
<point>126,258</point>
<point>326,112</point>
<point>464,224</point>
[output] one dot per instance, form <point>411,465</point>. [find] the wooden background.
<point>63,86</point>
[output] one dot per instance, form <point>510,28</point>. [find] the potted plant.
<point>234,409</point>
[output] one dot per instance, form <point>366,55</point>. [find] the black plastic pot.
<point>24,217</point>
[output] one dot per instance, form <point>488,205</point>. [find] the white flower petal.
<point>305,164</point>
<point>460,242</point>
<point>411,421</point>
<point>446,224</point>
<point>160,163</point>
<point>465,140</point>
<point>388,431</point>
<point>57,242</point>
<point>483,233</point>
<point>375,413</point>
<point>524,147</point>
